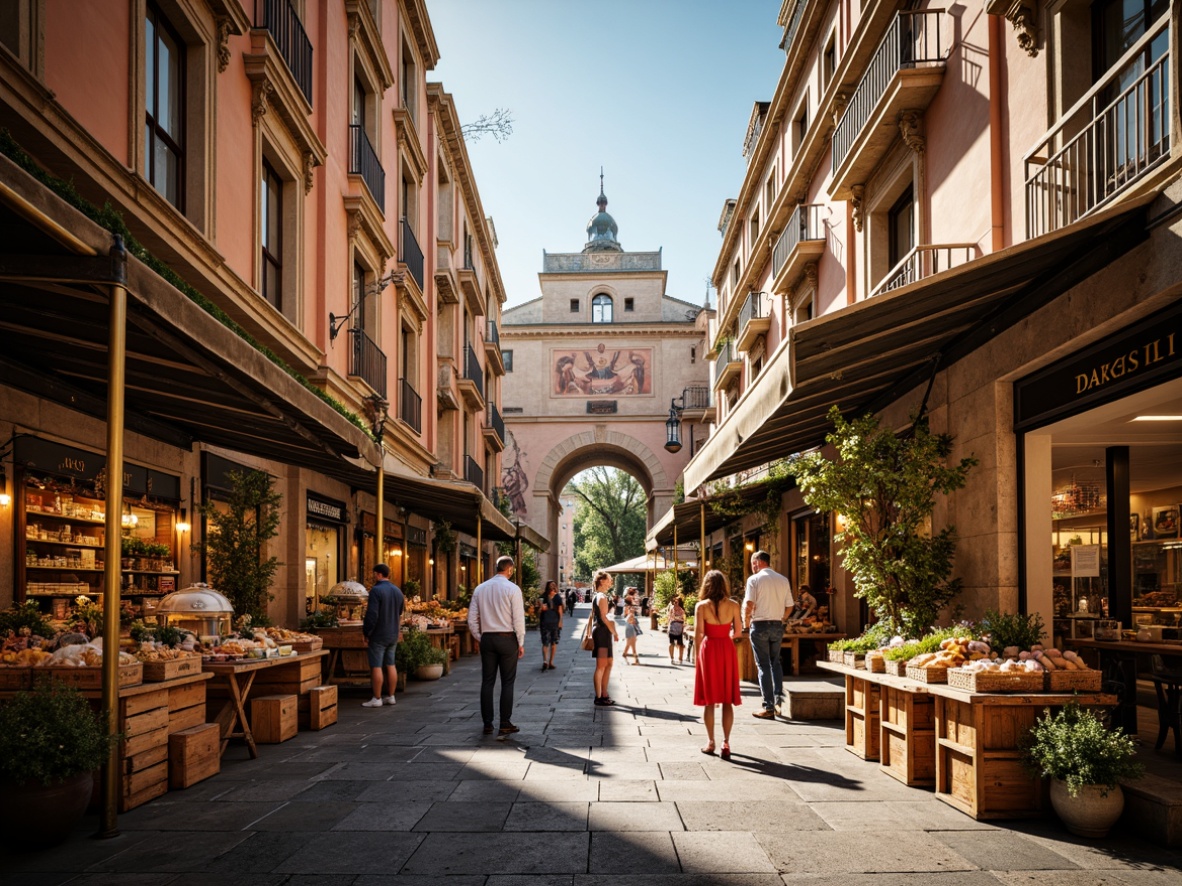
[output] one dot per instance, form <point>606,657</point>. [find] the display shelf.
<point>64,544</point>
<point>73,519</point>
<point>65,568</point>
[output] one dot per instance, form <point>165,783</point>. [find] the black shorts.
<point>602,636</point>
<point>677,639</point>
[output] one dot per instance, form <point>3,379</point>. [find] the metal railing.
<point>793,24</point>
<point>750,310</point>
<point>912,39</point>
<point>805,224</point>
<point>492,335</point>
<point>696,397</point>
<point>473,472</point>
<point>412,254</point>
<point>472,370</point>
<point>286,29</point>
<point>1115,144</point>
<point>495,421</point>
<point>363,161</point>
<point>727,354</point>
<point>367,361</point>
<point>410,406</point>
<point>924,261</point>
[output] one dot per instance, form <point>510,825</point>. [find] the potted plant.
<point>416,655</point>
<point>1085,759</point>
<point>50,744</point>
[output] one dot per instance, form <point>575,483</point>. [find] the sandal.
<point>709,749</point>
<point>605,701</point>
<point>725,753</point>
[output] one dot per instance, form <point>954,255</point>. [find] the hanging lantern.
<point>673,430</point>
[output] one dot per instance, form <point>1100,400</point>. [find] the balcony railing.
<point>473,472</point>
<point>412,254</point>
<point>472,370</point>
<point>363,161</point>
<point>727,354</point>
<point>750,310</point>
<point>1114,143</point>
<point>696,397</point>
<point>286,29</point>
<point>793,24</point>
<point>924,261</point>
<point>913,39</point>
<point>492,335</point>
<point>410,406</point>
<point>805,224</point>
<point>367,361</point>
<point>495,421</point>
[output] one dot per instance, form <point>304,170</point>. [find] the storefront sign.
<point>65,461</point>
<point>601,407</point>
<point>416,536</point>
<point>1144,354</point>
<point>326,509</point>
<point>1085,561</point>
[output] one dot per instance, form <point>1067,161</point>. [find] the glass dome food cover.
<point>349,590</point>
<point>197,608</point>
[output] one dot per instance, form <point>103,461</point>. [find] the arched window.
<point>601,308</point>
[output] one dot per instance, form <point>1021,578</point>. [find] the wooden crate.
<point>14,679</point>
<point>876,664</point>
<point>342,638</point>
<point>186,696</point>
<point>305,645</point>
<point>995,681</point>
<point>927,675</point>
<point>297,678</point>
<point>159,671</point>
<point>836,656</point>
<point>194,755</point>
<point>140,787</point>
<point>318,708</point>
<point>186,718</point>
<point>854,659</point>
<point>861,717</point>
<point>895,668</point>
<point>143,721</point>
<point>90,678</point>
<point>907,741</point>
<point>1067,681</point>
<point>274,718</point>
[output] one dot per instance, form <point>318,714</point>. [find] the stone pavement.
<point>414,794</point>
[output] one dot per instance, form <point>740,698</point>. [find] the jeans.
<point>766,637</point>
<point>498,654</point>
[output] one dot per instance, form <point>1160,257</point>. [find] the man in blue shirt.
<point>383,618</point>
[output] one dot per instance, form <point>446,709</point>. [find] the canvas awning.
<point>646,563</point>
<point>862,357</point>
<point>688,515</point>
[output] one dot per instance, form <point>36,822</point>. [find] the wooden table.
<point>348,658</point>
<point>1118,663</point>
<point>441,639</point>
<point>238,676</point>
<point>792,641</point>
<point>467,644</point>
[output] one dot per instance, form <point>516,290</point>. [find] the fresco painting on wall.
<point>514,479</point>
<point>586,372</point>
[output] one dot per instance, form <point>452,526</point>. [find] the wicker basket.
<point>995,681</point>
<point>927,675</point>
<point>1065,681</point>
<point>896,667</point>
<point>876,664</point>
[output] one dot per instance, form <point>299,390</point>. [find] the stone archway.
<point>599,446</point>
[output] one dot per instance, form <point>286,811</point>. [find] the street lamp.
<point>673,425</point>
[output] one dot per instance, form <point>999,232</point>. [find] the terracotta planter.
<point>429,672</point>
<point>37,815</point>
<point>1090,813</point>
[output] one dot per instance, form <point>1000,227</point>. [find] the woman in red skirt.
<point>718,621</point>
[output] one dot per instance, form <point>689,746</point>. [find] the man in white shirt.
<point>768,595</point>
<point>496,617</point>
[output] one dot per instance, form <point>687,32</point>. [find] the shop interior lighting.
<point>130,519</point>
<point>183,524</point>
<point>5,498</point>
<point>1158,418</point>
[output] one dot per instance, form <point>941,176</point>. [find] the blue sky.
<point>657,92</point>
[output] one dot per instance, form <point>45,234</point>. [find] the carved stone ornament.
<point>309,166</point>
<point>354,25</point>
<point>258,103</point>
<point>910,123</point>
<point>810,273</point>
<point>858,192</point>
<point>353,225</point>
<point>1022,17</point>
<point>225,28</point>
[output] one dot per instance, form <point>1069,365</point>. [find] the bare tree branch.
<point>498,124</point>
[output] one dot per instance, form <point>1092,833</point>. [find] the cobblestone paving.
<point>414,794</point>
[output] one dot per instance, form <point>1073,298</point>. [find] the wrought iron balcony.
<point>363,161</point>
<point>803,240</point>
<point>697,397</point>
<point>471,383</point>
<point>286,29</point>
<point>473,472</point>
<point>1102,145</point>
<point>410,406</point>
<point>492,348</point>
<point>904,74</point>
<point>495,424</point>
<point>492,335</point>
<point>727,367</point>
<point>412,254</point>
<point>753,321</point>
<point>367,361</point>
<point>924,261</point>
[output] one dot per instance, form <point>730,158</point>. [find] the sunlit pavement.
<point>415,794</point>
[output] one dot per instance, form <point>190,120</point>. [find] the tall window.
<point>271,209</point>
<point>901,224</point>
<point>601,309</point>
<point>358,104</point>
<point>358,297</point>
<point>164,137</point>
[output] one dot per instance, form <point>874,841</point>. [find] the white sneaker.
<point>389,699</point>
<point>372,703</point>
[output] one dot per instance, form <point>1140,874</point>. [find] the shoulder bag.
<point>588,643</point>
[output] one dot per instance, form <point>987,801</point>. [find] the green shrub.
<point>1011,629</point>
<point>1075,746</point>
<point>49,735</point>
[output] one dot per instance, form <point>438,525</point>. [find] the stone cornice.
<point>408,140</point>
<point>420,27</point>
<point>364,33</point>
<point>364,217</point>
<point>552,330</point>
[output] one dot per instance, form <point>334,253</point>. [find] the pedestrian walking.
<point>603,633</point>
<point>631,633</point>
<point>571,597</point>
<point>383,617</point>
<point>718,620</point>
<point>768,596</point>
<point>676,617</point>
<point>496,618</point>
<point>550,623</point>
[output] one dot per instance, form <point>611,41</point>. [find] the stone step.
<point>814,698</point>
<point>1153,809</point>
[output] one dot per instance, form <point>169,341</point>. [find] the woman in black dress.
<point>604,635</point>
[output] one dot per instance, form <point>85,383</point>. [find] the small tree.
<point>885,487</point>
<point>233,546</point>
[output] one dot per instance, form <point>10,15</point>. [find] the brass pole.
<point>517,552</point>
<point>479,549</point>
<point>701,542</point>
<point>112,576</point>
<point>379,509</point>
<point>676,583</point>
